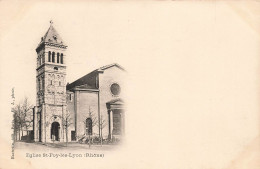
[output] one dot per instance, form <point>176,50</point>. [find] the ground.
<point>61,146</point>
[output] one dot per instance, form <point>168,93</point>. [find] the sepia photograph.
<point>128,84</point>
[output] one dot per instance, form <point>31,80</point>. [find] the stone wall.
<point>88,101</point>
<point>109,77</point>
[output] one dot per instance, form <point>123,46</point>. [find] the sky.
<point>193,71</point>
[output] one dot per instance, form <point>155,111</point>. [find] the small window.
<point>70,97</point>
<point>39,83</point>
<point>89,126</point>
<point>55,37</point>
<point>61,58</point>
<point>49,56</point>
<point>43,83</point>
<point>53,57</point>
<point>51,82</point>
<point>59,83</point>
<point>73,136</point>
<point>55,68</point>
<point>115,89</point>
<point>58,58</point>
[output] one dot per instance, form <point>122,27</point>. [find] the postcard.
<point>128,84</point>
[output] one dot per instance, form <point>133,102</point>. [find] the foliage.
<point>92,117</point>
<point>23,117</point>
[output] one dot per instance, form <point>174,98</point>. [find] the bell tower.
<point>50,87</point>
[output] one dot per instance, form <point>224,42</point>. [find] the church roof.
<point>111,65</point>
<point>89,80</point>
<point>52,36</point>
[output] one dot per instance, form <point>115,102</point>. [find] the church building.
<point>92,105</point>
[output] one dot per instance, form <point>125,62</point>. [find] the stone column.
<point>69,134</point>
<point>111,124</point>
<point>62,128</point>
<point>122,122</point>
<point>42,124</point>
<point>35,124</point>
<point>59,131</point>
<point>76,102</point>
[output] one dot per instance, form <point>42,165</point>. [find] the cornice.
<point>49,63</point>
<point>50,44</point>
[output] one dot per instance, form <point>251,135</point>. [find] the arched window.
<point>58,57</point>
<point>53,57</point>
<point>39,84</point>
<point>61,58</point>
<point>89,126</point>
<point>43,83</point>
<point>49,56</point>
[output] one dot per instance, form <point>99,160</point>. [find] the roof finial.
<point>51,22</point>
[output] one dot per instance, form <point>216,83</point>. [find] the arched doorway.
<point>55,129</point>
<point>89,126</point>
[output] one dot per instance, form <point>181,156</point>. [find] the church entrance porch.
<point>55,130</point>
<point>116,116</point>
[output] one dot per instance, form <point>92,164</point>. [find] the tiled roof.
<point>52,36</point>
<point>89,80</point>
<point>111,65</point>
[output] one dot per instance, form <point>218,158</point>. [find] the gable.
<point>90,80</point>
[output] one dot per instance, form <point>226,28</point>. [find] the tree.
<point>17,120</point>
<point>22,117</point>
<point>92,117</point>
<point>28,114</point>
<point>102,125</point>
<point>66,122</point>
<point>94,122</point>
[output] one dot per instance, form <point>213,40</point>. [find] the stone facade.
<point>96,97</point>
<point>64,111</point>
<point>51,88</point>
